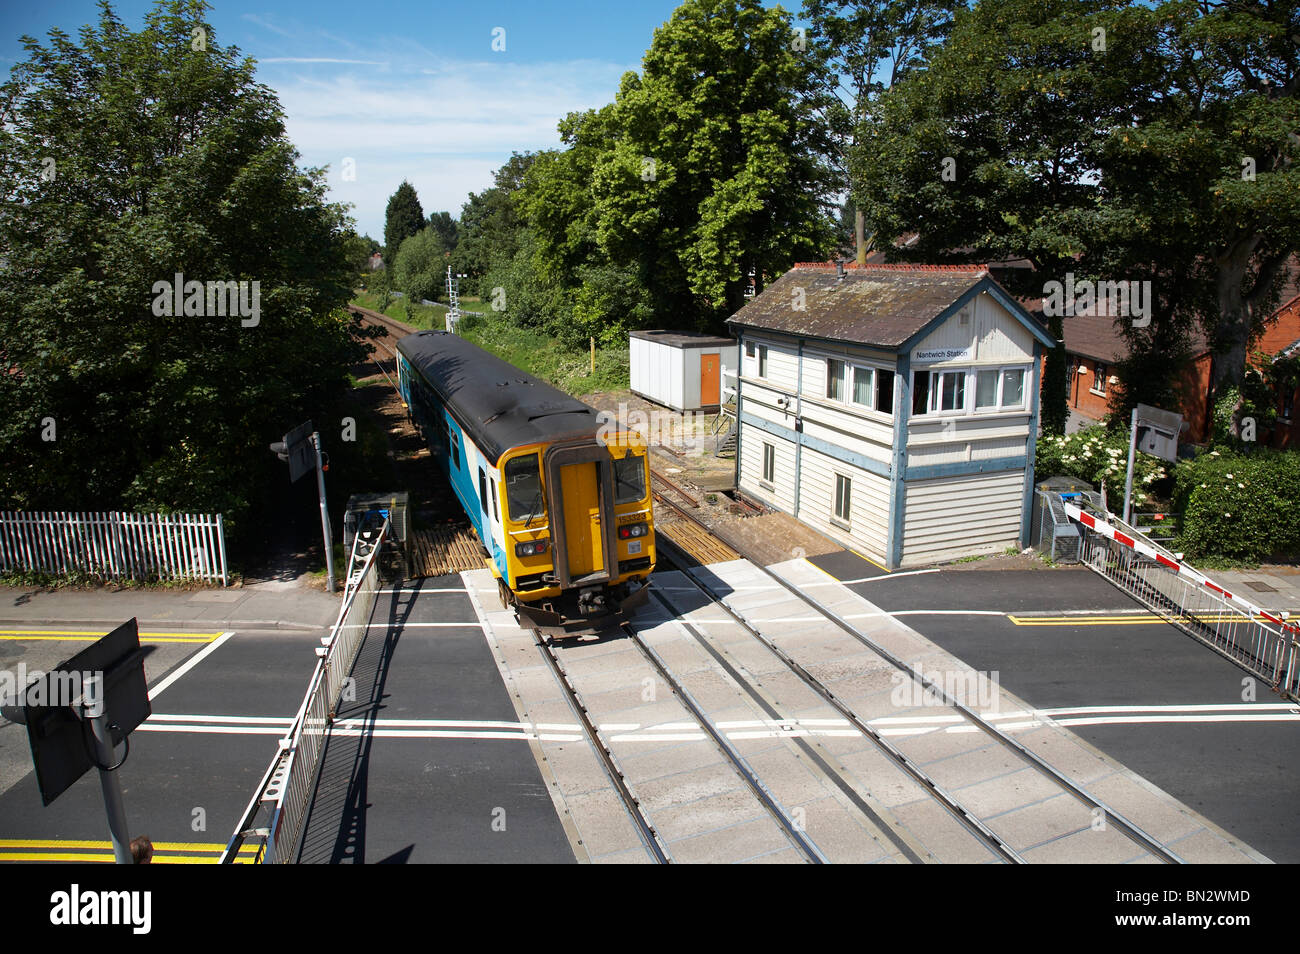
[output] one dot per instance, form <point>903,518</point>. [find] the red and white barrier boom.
<point>1144,547</point>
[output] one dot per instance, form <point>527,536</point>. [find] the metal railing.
<point>287,787</point>
<point>1264,644</point>
<point>115,545</point>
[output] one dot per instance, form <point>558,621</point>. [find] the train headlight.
<point>532,548</point>
<point>631,530</point>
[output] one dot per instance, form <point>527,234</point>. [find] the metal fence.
<point>1058,536</point>
<point>1263,643</point>
<point>290,781</point>
<point>115,545</point>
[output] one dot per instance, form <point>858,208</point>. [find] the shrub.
<point>1097,455</point>
<point>1240,506</point>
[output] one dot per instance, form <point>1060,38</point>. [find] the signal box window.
<point>835,379</point>
<point>843,497</point>
<point>769,463</point>
<point>762,361</point>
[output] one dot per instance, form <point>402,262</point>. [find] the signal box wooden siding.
<point>893,408</point>
<point>685,371</point>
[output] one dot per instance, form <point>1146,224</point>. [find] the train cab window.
<point>455,448</point>
<point>482,491</point>
<point>496,507</point>
<point>629,479</point>
<point>524,489</point>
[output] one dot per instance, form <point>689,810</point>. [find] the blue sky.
<point>408,90</point>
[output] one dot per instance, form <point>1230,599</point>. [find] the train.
<point>559,497</point>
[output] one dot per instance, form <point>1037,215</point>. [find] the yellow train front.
<point>559,497</point>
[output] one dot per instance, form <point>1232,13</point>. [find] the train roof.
<point>499,406</point>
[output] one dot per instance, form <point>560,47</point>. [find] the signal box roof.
<point>499,406</point>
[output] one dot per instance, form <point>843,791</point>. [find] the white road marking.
<point>189,664</point>
<point>905,725</point>
<point>472,624</point>
<point>443,589</point>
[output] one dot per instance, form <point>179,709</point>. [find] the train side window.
<point>455,448</point>
<point>629,479</point>
<point>482,490</point>
<point>496,508</point>
<point>524,488</point>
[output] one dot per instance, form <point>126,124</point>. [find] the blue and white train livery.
<point>561,506</point>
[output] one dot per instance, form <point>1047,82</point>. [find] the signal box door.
<point>583,532</point>
<point>710,378</point>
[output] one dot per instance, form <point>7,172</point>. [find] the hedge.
<point>1240,506</point>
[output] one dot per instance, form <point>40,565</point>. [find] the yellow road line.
<point>863,556</point>
<point>1141,619</point>
<point>83,635</point>
<point>104,858</point>
<point>108,845</point>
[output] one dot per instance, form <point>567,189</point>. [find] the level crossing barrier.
<point>288,785</point>
<point>1262,642</point>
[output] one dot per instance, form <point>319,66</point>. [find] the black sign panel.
<point>1157,432</point>
<point>60,738</point>
<point>301,450</point>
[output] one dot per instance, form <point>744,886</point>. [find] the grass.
<point>544,357</point>
<point>81,580</point>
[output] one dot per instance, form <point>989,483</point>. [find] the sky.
<point>407,90</point>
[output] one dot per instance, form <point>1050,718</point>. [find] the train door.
<point>583,531</point>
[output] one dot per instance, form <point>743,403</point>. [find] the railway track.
<point>656,846</point>
<point>982,829</point>
<point>395,329</point>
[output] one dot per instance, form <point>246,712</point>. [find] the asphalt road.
<point>1066,639</point>
<point>444,774</point>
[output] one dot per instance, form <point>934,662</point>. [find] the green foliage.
<point>1239,506</point>
<point>1054,392</point>
<point>167,159</point>
<point>567,368</point>
<point>403,218</point>
<point>1164,156</point>
<point>1098,456</point>
<point>445,226</point>
<point>715,162</point>
<point>419,266</point>
<point>491,225</point>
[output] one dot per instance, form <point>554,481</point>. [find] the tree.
<point>716,164</point>
<point>126,159</point>
<point>419,265</point>
<point>858,38</point>
<point>402,219</point>
<point>445,226</point>
<point>1105,139</point>
<point>491,224</point>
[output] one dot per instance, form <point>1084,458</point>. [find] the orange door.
<point>710,377</point>
<point>582,532</point>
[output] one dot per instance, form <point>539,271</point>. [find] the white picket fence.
<point>115,545</point>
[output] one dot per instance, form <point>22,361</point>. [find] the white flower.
<point>1242,486</point>
<point>1230,476</point>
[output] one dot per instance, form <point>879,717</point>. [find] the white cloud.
<point>444,125</point>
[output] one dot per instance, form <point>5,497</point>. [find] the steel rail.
<point>949,802</point>
<point>650,839</point>
<point>1133,831</point>
<point>793,830</point>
